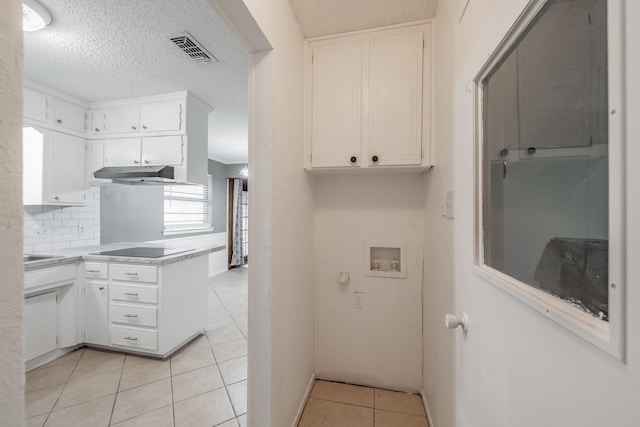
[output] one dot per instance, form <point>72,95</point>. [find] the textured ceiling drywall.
<point>100,50</point>
<point>322,17</point>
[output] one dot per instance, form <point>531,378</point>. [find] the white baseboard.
<point>426,409</point>
<point>304,401</point>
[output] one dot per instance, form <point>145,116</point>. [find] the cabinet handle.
<point>374,159</point>
<point>130,274</point>
<point>93,271</point>
<point>131,294</point>
<point>97,130</point>
<point>136,161</point>
<point>134,127</point>
<point>130,315</point>
<point>144,127</point>
<point>131,338</point>
<point>146,161</point>
<point>56,198</point>
<point>353,159</point>
<point>101,288</point>
<point>531,150</point>
<point>59,121</point>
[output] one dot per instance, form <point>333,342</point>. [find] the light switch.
<point>358,300</point>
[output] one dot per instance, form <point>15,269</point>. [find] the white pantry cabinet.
<point>152,151</point>
<point>368,100</point>
<point>53,168</point>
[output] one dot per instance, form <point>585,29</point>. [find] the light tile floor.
<point>344,405</point>
<point>202,384</point>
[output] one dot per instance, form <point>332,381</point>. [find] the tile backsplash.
<point>48,228</point>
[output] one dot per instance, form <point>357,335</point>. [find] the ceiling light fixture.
<point>34,16</point>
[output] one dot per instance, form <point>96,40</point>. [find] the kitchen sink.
<point>30,258</point>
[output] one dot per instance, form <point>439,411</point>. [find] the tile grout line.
<point>224,384</point>
<point>173,403</point>
<point>115,399</point>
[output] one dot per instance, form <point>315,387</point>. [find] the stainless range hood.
<point>137,174</point>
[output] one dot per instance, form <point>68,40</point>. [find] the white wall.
<point>380,344</point>
<point>281,232</point>
<point>515,366</point>
<point>61,225</point>
<point>11,278</point>
<point>438,280</point>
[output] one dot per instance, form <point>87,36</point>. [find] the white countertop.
<point>199,246</point>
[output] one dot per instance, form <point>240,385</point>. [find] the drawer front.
<point>131,337</point>
<point>134,273</point>
<point>134,314</point>
<point>47,275</point>
<point>96,270</point>
<point>134,293</point>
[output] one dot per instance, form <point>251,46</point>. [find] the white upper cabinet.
<point>53,168</point>
<point>336,104</point>
<point>50,109</point>
<point>395,98</point>
<point>161,117</point>
<point>156,118</point>
<point>368,100</point>
<point>152,151</point>
<point>68,115</point>
<point>118,120</point>
<point>35,105</point>
<point>162,150</point>
<point>122,152</point>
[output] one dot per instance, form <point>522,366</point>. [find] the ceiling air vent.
<point>191,47</point>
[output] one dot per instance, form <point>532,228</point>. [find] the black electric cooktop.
<point>143,252</point>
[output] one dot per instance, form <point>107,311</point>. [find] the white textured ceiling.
<point>98,50</point>
<point>322,17</point>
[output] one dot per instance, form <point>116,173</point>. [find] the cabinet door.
<point>162,150</point>
<point>161,117</point>
<point>122,152</point>
<point>395,112</point>
<point>122,120</point>
<point>336,103</point>
<point>40,327</point>
<point>67,115</point>
<point>97,122</point>
<point>66,174</point>
<point>95,313</point>
<point>34,105</point>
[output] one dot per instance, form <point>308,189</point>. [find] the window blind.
<point>187,207</point>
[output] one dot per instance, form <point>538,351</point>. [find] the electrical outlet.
<point>41,232</point>
<point>358,300</point>
<point>81,230</point>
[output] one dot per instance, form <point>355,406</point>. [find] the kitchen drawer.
<point>49,276</point>
<point>131,337</point>
<point>96,270</point>
<point>134,314</point>
<point>134,273</point>
<point>134,293</point>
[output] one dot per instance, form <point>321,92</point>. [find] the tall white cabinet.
<point>368,100</point>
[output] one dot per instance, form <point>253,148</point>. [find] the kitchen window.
<point>549,211</point>
<point>187,208</point>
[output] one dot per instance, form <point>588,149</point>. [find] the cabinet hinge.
<point>57,340</point>
<point>312,58</point>
<point>57,297</point>
<point>424,43</point>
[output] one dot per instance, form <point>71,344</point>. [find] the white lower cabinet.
<point>95,320</point>
<point>40,324</point>
<point>51,316</point>
<point>152,309</point>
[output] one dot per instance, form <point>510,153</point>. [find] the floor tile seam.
<point>140,385</point>
<point>199,394</point>
<point>400,412</point>
<point>226,421</point>
<point>44,366</point>
<point>54,403</point>
<point>115,399</point>
<point>342,403</point>
<point>138,415</point>
<point>173,411</point>
<point>84,377</point>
